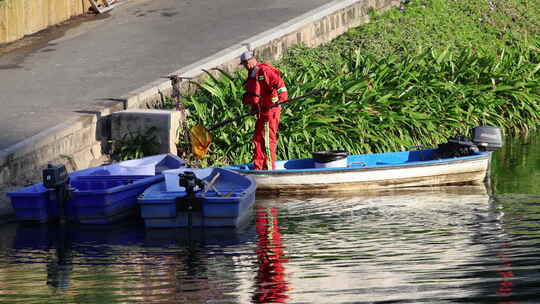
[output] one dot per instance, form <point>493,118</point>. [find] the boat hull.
<point>358,178</point>
<point>116,201</point>
<point>230,204</point>
<point>98,195</point>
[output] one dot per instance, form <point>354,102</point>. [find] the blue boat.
<point>209,197</point>
<point>98,195</point>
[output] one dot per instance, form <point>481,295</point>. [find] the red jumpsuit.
<point>264,87</point>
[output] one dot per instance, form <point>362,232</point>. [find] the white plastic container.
<point>330,159</point>
<point>341,163</point>
<point>172,180</point>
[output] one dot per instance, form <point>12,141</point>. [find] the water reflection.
<point>192,265</point>
<point>516,167</point>
<point>171,265</point>
<point>271,284</point>
<point>433,245</point>
<point>390,246</point>
<point>56,246</point>
<point>519,250</point>
<point>506,285</point>
<point>60,266</point>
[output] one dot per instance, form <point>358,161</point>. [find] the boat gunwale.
<point>240,194</point>
<point>405,165</point>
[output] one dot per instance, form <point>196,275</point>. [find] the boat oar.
<point>200,136</point>
<point>210,185</point>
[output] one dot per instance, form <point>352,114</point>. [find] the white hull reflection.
<point>393,246</point>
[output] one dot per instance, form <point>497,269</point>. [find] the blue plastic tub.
<point>34,203</point>
<point>230,206</point>
<point>100,195</point>
<point>106,199</point>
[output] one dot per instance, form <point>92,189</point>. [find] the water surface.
<point>473,244</point>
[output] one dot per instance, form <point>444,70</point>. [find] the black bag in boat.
<point>456,146</point>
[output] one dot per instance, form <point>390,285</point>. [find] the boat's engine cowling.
<point>457,146</point>
<point>190,182</point>
<point>487,138</point>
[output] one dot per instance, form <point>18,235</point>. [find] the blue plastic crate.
<point>107,199</point>
<point>230,207</point>
<point>34,203</point>
<point>101,194</point>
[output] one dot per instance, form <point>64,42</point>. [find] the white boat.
<point>457,162</point>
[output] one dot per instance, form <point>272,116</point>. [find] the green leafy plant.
<point>415,75</point>
<point>136,145</point>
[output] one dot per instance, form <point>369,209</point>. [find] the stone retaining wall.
<point>77,143</point>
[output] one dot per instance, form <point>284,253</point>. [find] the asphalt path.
<point>133,45</point>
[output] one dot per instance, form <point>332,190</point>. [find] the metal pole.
<point>176,82</point>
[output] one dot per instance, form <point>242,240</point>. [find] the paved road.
<point>107,58</point>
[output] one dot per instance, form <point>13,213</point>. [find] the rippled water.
<point>454,245</point>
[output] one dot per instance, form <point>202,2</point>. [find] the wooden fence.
<point>23,17</point>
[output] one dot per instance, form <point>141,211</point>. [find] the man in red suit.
<point>264,88</point>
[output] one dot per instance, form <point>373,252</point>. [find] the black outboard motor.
<point>485,138</point>
<point>190,202</point>
<point>56,177</point>
<point>189,181</point>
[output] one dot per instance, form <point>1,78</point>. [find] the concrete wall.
<point>19,18</point>
<point>166,124</point>
<point>79,143</point>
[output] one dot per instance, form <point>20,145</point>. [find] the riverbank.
<point>132,65</point>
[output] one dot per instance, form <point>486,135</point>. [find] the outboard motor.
<point>487,138</point>
<point>190,202</point>
<point>56,177</point>
<point>189,181</point>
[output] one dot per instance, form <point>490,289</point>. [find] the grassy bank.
<point>414,75</point>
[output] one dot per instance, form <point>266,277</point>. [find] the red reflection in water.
<point>505,286</point>
<point>271,283</point>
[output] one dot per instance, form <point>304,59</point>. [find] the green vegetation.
<point>135,145</point>
<point>413,76</point>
